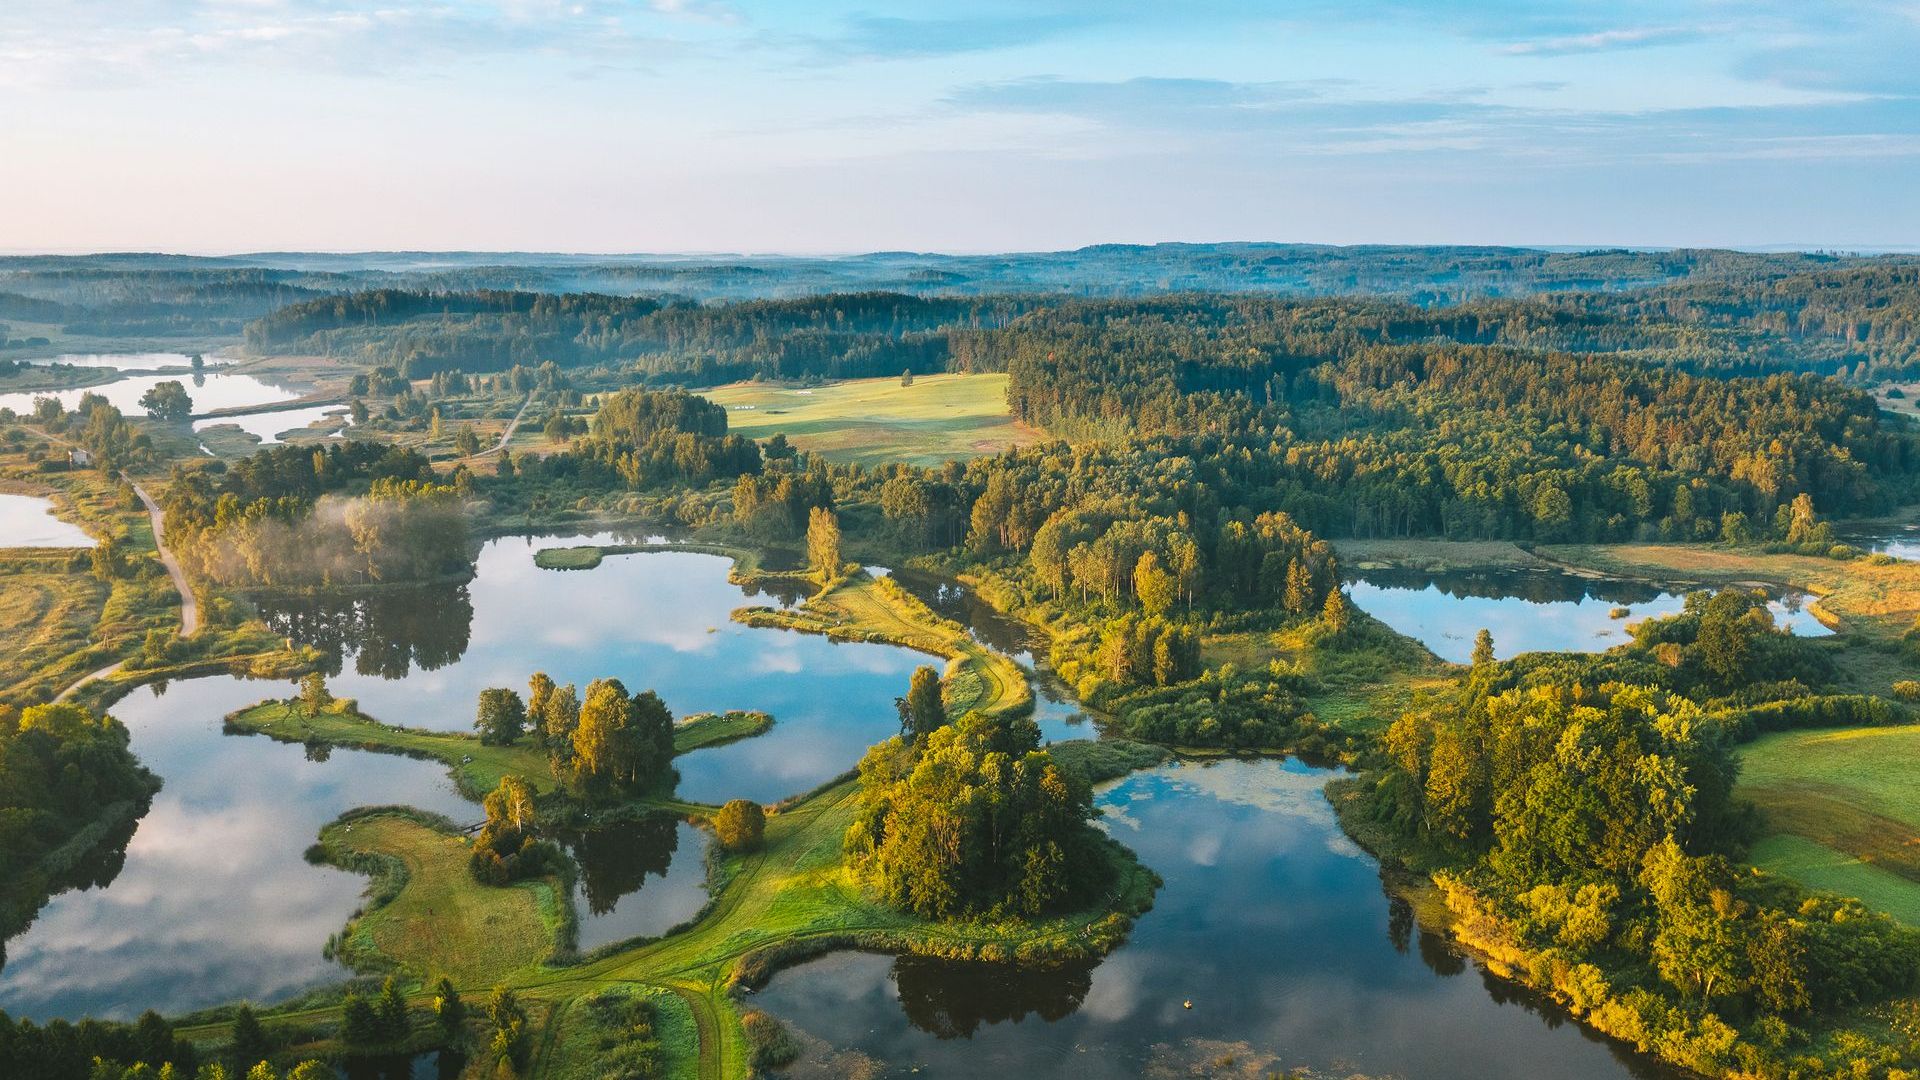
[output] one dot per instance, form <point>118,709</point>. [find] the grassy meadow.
<point>871,421</point>
<point>436,919</point>
<point>1842,811</point>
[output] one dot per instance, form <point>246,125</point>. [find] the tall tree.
<point>561,718</point>
<point>167,401</point>
<point>823,542</point>
<point>1155,587</point>
<point>539,691</point>
<point>921,711</point>
<point>314,696</point>
<point>501,717</point>
<point>448,1009</point>
<point>626,740</point>
<point>511,805</point>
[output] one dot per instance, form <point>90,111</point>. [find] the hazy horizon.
<point>955,253</point>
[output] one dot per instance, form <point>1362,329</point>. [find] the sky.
<point>217,126</point>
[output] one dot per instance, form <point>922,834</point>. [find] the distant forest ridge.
<point>1424,275</point>
<point>1859,322</point>
<point>696,319</point>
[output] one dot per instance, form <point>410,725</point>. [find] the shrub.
<point>769,1045</point>
<point>741,825</point>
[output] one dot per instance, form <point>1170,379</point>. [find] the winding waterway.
<point>1272,924</point>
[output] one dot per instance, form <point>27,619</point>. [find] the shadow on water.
<point>209,898</point>
<point>952,1000</point>
<point>638,877</point>
<point>388,633</point>
<point>1533,586</point>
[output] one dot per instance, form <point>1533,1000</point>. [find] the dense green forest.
<point>142,284</point>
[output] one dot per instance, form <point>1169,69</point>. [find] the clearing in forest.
<point>938,418</point>
<point>1842,812</point>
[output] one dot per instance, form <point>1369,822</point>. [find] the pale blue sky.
<point>737,125</point>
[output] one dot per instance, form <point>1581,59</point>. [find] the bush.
<point>1907,690</point>
<point>769,1045</point>
<point>741,825</point>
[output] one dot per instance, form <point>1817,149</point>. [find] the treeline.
<point>1451,440</point>
<point>1857,322</point>
<point>1855,318</point>
<point>151,300</point>
<point>103,1050</point>
<point>1583,810</point>
<point>298,517</point>
<point>838,336</point>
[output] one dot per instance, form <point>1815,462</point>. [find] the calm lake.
<point>27,521</point>
<point>1527,610</point>
<point>142,361</point>
<point>269,426</point>
<point>655,621</point>
<point>1899,541</point>
<point>1271,922</point>
<point>209,391</point>
<point>214,901</point>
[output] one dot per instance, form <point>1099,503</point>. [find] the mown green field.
<point>939,418</point>
<point>1842,811</point>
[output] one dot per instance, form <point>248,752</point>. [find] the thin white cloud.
<point>1638,37</point>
